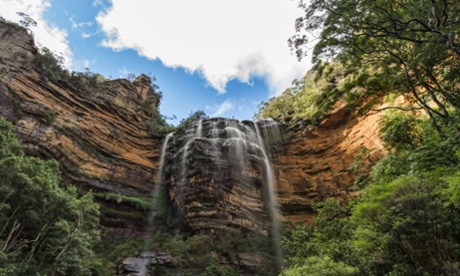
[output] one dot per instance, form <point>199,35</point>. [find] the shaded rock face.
<point>325,162</point>
<point>218,175</point>
<point>100,138</point>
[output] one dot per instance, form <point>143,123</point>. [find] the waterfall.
<point>213,161</point>
<point>160,171</point>
<point>159,183</point>
<point>199,129</point>
<point>272,198</point>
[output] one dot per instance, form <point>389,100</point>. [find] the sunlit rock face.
<point>218,174</point>
<point>325,161</point>
<point>100,137</point>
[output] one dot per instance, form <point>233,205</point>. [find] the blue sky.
<point>220,56</point>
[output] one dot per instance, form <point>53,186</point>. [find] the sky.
<point>220,56</point>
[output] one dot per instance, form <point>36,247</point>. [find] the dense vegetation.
<point>46,227</point>
<point>406,221</point>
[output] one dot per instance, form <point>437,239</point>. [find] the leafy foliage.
<point>112,250</point>
<point>321,266</point>
<point>45,228</point>
<point>411,46</point>
<point>406,222</point>
<point>201,251</point>
<point>309,98</point>
<point>330,237</point>
<point>193,117</point>
<point>404,227</point>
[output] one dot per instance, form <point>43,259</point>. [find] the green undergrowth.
<point>204,252</point>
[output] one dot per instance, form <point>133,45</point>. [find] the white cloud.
<point>226,106</point>
<point>222,40</point>
<point>76,25</point>
<point>45,35</point>
<point>97,3</point>
<point>85,35</point>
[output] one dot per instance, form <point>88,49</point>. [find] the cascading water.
<point>221,176</point>
<point>159,184</point>
<point>199,129</point>
<point>272,198</point>
<point>160,171</point>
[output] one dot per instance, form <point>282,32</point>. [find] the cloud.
<point>45,34</point>
<point>226,106</point>
<point>76,25</point>
<point>97,3</point>
<point>222,40</point>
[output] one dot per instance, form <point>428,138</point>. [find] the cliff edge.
<point>98,135</point>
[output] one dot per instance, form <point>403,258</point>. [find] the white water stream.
<point>241,140</point>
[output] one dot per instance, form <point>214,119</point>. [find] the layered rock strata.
<point>324,162</point>
<point>216,169</point>
<point>217,175</point>
<point>98,136</point>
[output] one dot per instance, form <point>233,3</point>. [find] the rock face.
<point>325,162</point>
<point>217,175</point>
<point>139,266</point>
<point>218,172</point>
<point>100,138</point>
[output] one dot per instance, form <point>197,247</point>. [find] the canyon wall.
<point>98,136</point>
<point>325,161</point>
<point>102,142</point>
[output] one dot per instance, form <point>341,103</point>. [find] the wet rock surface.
<point>218,175</point>
<point>139,266</point>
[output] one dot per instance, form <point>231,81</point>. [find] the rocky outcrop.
<point>139,266</point>
<point>324,162</point>
<point>217,178</point>
<point>217,175</point>
<point>98,136</point>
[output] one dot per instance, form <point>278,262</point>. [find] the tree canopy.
<point>45,227</point>
<point>411,46</point>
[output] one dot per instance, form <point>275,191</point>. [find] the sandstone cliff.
<point>324,162</point>
<point>99,137</point>
<point>218,175</point>
<point>217,179</point>
<point>102,143</point>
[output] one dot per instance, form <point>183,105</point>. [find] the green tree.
<point>310,98</point>
<point>411,46</point>
<point>329,239</point>
<point>321,266</point>
<point>407,227</point>
<point>45,228</point>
